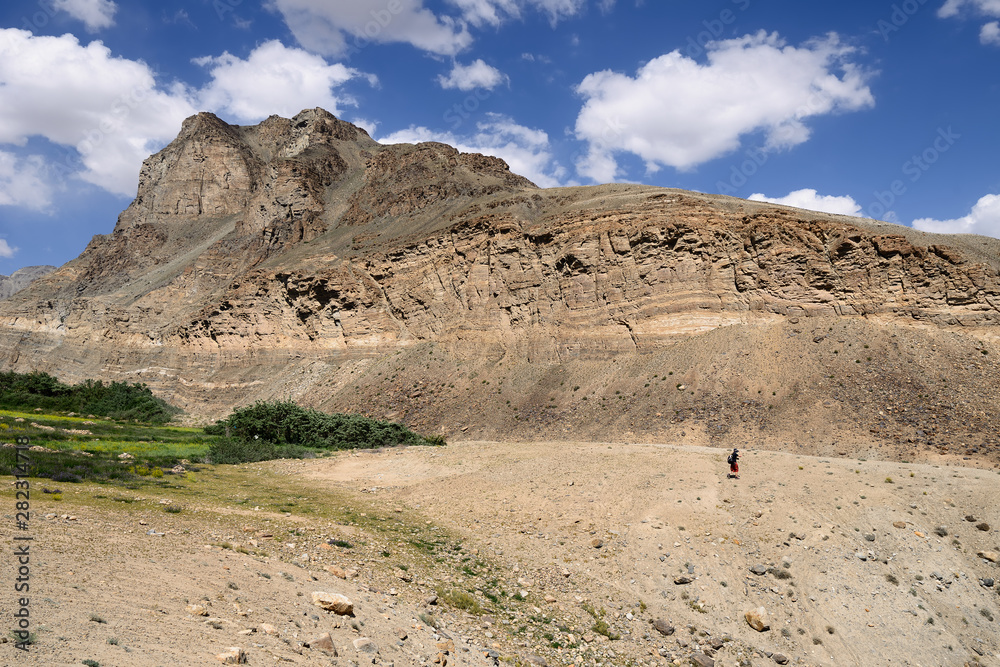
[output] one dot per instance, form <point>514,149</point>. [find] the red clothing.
<point>734,467</point>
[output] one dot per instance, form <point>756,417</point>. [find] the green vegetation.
<point>75,448</point>
<point>118,400</point>
<point>285,429</point>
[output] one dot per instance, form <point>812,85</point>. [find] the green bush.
<point>118,400</point>
<point>286,423</point>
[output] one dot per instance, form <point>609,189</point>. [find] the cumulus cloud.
<point>23,182</point>
<point>109,109</point>
<point>984,7</point>
<point>109,113</point>
<point>335,28</point>
<point>495,12</point>
<point>990,33</point>
<point>984,218</point>
<point>680,113</point>
<point>273,79</point>
<point>525,149</point>
<point>475,75</point>
<point>808,198</point>
<point>95,14</point>
<point>6,251</point>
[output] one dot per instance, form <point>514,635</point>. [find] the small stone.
<point>985,527</point>
<point>970,518</point>
<point>759,569</point>
<point>702,660</point>
<point>757,619</point>
<point>268,629</point>
<point>446,646</point>
<point>680,581</point>
<point>780,658</point>
<point>431,600</point>
<point>197,610</point>
<point>991,556</point>
<point>365,645</point>
<point>861,555</point>
<point>401,633</point>
<point>899,524</point>
<point>336,571</point>
<point>234,655</point>
<point>597,543</point>
<point>941,531</point>
<point>322,642</point>
<point>870,537</point>
<point>663,627</point>
<point>987,582</point>
<point>335,602</point>
<point>537,660</point>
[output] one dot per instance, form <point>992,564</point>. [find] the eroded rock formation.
<point>301,258</point>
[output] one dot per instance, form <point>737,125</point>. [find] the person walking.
<point>734,464</point>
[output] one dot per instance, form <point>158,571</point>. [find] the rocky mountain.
<point>299,258</point>
<point>21,278</point>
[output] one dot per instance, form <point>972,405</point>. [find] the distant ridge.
<point>21,278</point>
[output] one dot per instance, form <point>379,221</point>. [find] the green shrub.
<point>118,400</point>
<point>264,425</point>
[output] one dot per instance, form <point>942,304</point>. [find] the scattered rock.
<point>680,581</point>
<point>597,543</point>
<point>780,658</point>
<point>870,537</point>
<point>533,659</point>
<point>431,600</point>
<point>757,619</point>
<point>322,642</point>
<point>759,569</point>
<point>336,571</point>
<point>268,629</point>
<point>899,524</point>
<point>991,556</point>
<point>985,527</point>
<point>197,610</point>
<point>941,531</point>
<point>663,627</point>
<point>234,655</point>
<point>970,518</point>
<point>702,660</point>
<point>335,602</point>
<point>987,582</point>
<point>365,645</point>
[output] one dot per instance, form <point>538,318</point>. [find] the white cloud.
<point>475,75</point>
<point>680,113</point>
<point>6,251</point>
<point>808,198</point>
<point>274,79</point>
<point>494,12</point>
<point>984,218</point>
<point>990,33</point>
<point>23,182</point>
<point>109,109</point>
<point>95,14</point>
<point>334,28</point>
<point>984,7</point>
<point>526,150</point>
<point>110,113</point>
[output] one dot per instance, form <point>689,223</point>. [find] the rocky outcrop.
<point>300,258</point>
<point>21,278</point>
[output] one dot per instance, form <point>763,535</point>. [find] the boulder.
<point>757,619</point>
<point>663,627</point>
<point>335,602</point>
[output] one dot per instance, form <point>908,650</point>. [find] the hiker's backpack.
<point>732,459</point>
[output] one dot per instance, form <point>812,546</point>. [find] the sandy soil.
<point>853,570</point>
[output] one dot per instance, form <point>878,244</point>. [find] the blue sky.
<point>885,110</point>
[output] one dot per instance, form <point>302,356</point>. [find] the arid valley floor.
<point>860,562</point>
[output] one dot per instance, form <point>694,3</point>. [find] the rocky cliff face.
<point>301,258</point>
